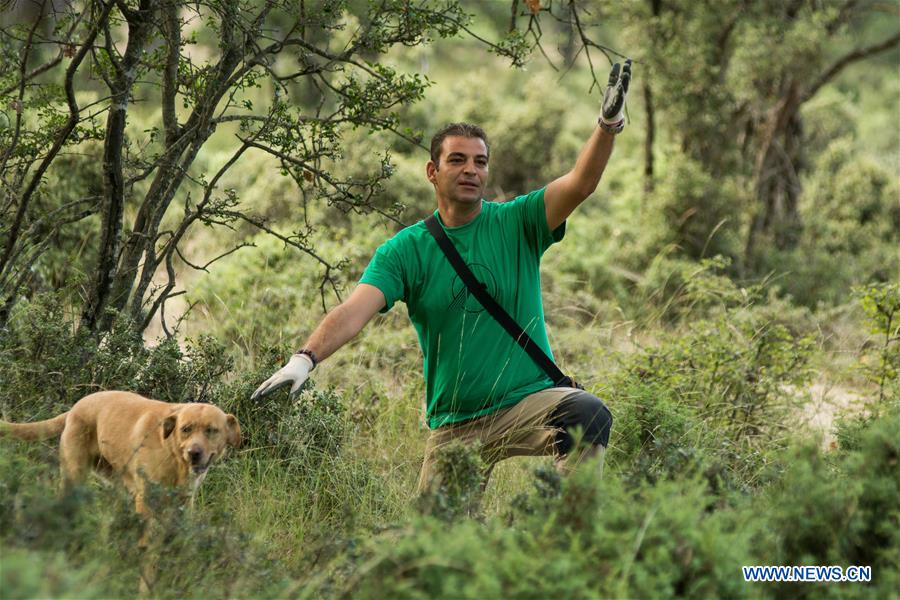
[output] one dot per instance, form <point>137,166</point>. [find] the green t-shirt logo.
<point>461,295</point>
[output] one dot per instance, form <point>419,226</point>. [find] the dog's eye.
<point>211,431</point>
<point>187,429</point>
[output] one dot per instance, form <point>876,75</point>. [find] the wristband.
<point>612,128</point>
<point>311,356</point>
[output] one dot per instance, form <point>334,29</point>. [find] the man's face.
<point>461,172</point>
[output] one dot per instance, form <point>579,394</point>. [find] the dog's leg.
<point>148,550</point>
<point>148,574</point>
<point>75,454</point>
<point>140,507</point>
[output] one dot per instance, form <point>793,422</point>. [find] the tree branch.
<point>847,59</point>
<point>61,137</point>
<point>19,106</point>
<point>171,31</point>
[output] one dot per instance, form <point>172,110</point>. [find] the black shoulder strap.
<point>491,305</point>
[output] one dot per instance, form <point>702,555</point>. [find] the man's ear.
<point>234,432</point>
<point>168,425</point>
<point>430,170</point>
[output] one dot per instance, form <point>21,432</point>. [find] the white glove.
<point>296,372</point>
<point>612,118</point>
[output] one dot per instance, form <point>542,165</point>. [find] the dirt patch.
<point>828,401</point>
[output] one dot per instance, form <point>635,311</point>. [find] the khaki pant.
<point>520,430</point>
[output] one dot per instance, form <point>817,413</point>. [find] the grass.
<point>320,500</point>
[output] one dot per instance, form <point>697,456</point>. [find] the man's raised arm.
<point>564,194</point>
<point>336,329</point>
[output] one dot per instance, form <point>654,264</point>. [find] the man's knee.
<point>584,412</point>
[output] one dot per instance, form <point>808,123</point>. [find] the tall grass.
<point>320,500</point>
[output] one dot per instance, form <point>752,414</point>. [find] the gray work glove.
<point>612,117</point>
<point>295,373</point>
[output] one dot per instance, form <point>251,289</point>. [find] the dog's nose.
<point>195,454</point>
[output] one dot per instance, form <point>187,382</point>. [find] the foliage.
<point>851,216</point>
<point>46,365</point>
<point>698,212</point>
<point>660,437</point>
<point>736,363</point>
<point>284,78</point>
<point>459,476</point>
<point>847,513</point>
<point>570,549</point>
<point>97,532</point>
<point>734,108</point>
<point>295,429</point>
<point>671,538</point>
<point>705,358</point>
<point>882,306</point>
<point>25,575</point>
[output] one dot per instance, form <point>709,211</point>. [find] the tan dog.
<point>136,439</point>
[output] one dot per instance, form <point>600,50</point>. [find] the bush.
<point>851,215</point>
<point>582,537</point>
<point>98,532</point>
<point>679,289</point>
<point>25,575</point>
<point>590,540</point>
<point>839,509</point>
<point>46,365</point>
<point>455,491</point>
<point>290,430</point>
<point>697,212</point>
<point>736,369</point>
<point>659,437</point>
<point>881,363</point>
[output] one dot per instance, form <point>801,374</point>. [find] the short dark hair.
<point>461,129</point>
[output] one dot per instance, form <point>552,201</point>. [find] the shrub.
<point>456,489</point>
<point>46,365</point>
<point>661,437</point>
<point>881,304</point>
<point>314,423</point>
<point>25,575</point>
<point>838,509</point>
<point>851,215</point>
<point>697,212</point>
<point>97,531</point>
<point>592,539</point>
<point>735,368</point>
<point>678,289</point>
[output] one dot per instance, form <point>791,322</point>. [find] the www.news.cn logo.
<point>808,573</point>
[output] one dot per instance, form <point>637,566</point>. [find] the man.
<point>480,384</point>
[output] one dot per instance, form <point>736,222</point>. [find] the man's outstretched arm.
<point>337,328</point>
<point>563,195</point>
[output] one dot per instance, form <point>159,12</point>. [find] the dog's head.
<point>201,434</point>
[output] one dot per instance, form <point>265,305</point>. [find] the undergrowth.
<point>705,473</point>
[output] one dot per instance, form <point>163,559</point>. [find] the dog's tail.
<point>39,430</point>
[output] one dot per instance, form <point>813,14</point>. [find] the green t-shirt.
<point>472,366</point>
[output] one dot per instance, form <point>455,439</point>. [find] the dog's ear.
<point>168,425</point>
<point>234,432</point>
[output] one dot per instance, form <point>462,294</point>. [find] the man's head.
<point>466,130</point>
<point>459,162</point>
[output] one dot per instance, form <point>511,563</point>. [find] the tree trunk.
<point>649,139</point>
<point>126,72</point>
<point>777,217</point>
